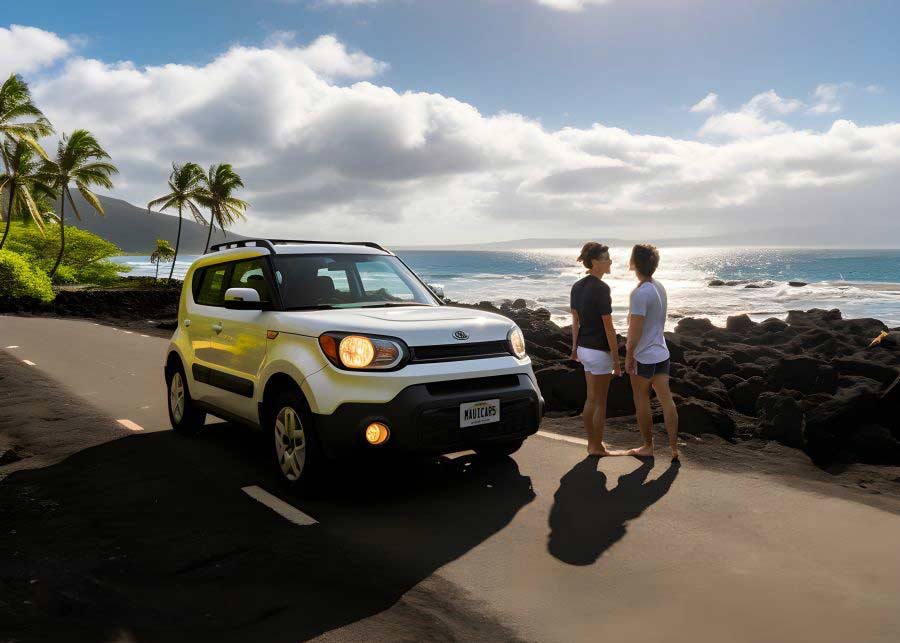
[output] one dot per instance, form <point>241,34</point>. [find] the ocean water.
<point>862,283</point>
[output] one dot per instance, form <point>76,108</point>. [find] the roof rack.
<point>271,243</point>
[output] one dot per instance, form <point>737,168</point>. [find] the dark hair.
<point>645,258</point>
<point>590,251</point>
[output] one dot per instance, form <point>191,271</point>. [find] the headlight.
<point>361,352</point>
<point>516,342</point>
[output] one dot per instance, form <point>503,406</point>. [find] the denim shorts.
<point>649,370</point>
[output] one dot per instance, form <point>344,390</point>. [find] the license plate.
<point>475,413</point>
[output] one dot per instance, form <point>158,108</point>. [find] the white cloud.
<point>323,152</point>
<point>827,98</point>
<point>874,89</point>
<point>27,49</point>
<point>708,104</point>
<point>570,5</point>
<point>752,120</point>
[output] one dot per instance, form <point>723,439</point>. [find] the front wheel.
<point>295,449</point>
<point>499,450</point>
<point>184,415</point>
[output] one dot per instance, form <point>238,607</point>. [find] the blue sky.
<point>415,120</point>
<point>629,63</point>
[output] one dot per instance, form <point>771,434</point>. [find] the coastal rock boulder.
<point>694,326</point>
<point>714,364</point>
<point>699,416</point>
<point>804,374</point>
<point>829,424</point>
<point>782,419</point>
<point>745,394</point>
<point>874,444</point>
<point>739,323</point>
<point>865,368</point>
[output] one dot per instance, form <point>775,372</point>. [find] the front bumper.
<point>424,418</point>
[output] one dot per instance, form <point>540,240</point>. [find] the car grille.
<point>453,352</point>
<point>451,387</point>
<point>440,427</point>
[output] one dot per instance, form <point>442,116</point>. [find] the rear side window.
<point>211,289</point>
<point>250,274</point>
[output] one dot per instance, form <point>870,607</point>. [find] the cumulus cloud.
<point>26,49</point>
<point>753,119</point>
<point>828,98</point>
<point>570,5</point>
<point>708,104</point>
<point>325,149</point>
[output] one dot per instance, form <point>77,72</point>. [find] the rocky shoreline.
<point>814,381</point>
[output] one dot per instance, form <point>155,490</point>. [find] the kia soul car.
<point>337,348</point>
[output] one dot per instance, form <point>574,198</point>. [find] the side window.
<point>250,274</point>
<point>211,291</point>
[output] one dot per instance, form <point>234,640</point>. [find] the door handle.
<point>217,326</point>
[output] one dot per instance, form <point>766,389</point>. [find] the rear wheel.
<point>295,448</point>
<point>499,450</point>
<point>184,415</point>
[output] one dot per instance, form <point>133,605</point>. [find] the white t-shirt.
<point>649,300</point>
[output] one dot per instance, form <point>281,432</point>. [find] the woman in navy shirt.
<point>594,340</point>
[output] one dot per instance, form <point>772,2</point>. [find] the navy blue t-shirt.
<point>591,299</point>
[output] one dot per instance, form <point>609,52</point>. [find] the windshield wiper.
<point>314,307</point>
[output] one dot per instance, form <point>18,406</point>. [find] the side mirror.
<point>437,289</point>
<point>242,299</point>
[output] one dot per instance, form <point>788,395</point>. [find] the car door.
<point>238,340</point>
<point>202,310</point>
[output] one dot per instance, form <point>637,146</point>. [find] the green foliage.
<point>19,278</point>
<point>86,258</point>
<point>163,252</point>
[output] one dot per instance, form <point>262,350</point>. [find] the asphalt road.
<point>159,537</point>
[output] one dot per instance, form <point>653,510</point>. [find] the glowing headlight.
<point>517,342</point>
<point>356,351</point>
<point>360,352</point>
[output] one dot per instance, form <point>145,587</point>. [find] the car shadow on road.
<point>150,537</point>
<point>587,518</point>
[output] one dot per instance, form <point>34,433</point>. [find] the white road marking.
<point>12,347</point>
<point>145,335</point>
<point>563,438</point>
<point>29,362</point>
<point>131,426</point>
<point>279,506</point>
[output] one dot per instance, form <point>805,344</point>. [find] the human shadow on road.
<point>587,518</point>
<point>150,537</point>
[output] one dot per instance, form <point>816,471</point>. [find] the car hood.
<point>416,325</point>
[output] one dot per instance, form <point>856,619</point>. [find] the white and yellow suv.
<point>333,348</point>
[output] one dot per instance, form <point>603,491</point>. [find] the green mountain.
<point>136,230</point>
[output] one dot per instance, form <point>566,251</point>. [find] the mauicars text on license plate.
<point>475,413</point>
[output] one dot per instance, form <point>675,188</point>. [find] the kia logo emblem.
<point>461,335</point>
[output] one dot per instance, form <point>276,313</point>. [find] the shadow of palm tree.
<point>587,518</point>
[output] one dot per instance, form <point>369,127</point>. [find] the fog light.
<point>377,433</point>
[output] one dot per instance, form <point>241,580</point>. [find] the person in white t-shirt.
<point>646,352</point>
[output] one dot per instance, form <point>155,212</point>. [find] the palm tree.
<point>224,209</point>
<point>20,119</point>
<point>81,159</point>
<point>22,183</point>
<point>186,187</point>
<point>164,252</point>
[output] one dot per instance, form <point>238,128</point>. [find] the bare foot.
<point>600,451</point>
<point>675,457</point>
<point>642,452</point>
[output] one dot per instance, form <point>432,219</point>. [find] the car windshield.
<point>321,281</point>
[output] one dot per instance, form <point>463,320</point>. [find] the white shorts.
<point>595,362</point>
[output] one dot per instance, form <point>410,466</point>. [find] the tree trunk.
<point>62,231</point>
<point>8,219</point>
<point>177,241</point>
<point>212,223</point>
<point>157,269</point>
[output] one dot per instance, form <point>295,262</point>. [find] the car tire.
<point>295,446</point>
<point>184,415</point>
<point>499,450</point>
